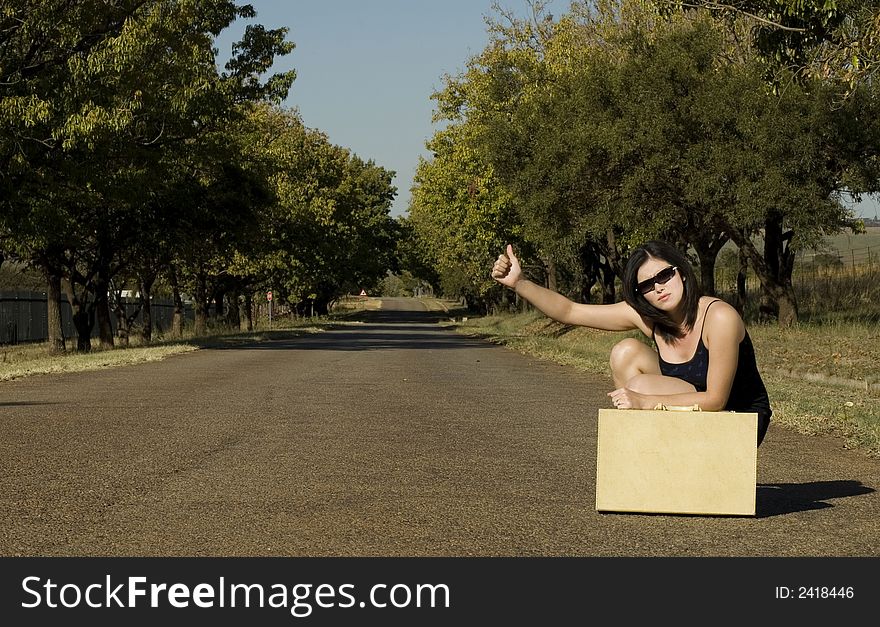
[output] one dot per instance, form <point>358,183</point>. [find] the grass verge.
<point>24,360</point>
<point>821,379</point>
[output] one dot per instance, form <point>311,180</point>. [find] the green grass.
<point>822,379</point>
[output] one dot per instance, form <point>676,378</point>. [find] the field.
<point>839,283</point>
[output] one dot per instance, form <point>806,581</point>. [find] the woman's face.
<point>664,296</point>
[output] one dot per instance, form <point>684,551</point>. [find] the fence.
<point>24,318</point>
<point>812,268</point>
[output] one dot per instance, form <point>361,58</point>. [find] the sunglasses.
<point>659,279</point>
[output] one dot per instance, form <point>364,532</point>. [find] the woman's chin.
<point>667,303</point>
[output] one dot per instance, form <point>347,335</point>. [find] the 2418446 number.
<point>825,592</point>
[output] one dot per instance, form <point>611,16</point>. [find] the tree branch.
<point>721,6</point>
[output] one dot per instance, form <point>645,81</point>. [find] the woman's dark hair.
<point>663,323</point>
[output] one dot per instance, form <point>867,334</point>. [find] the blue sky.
<point>366,69</point>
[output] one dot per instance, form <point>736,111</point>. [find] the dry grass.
<point>29,360</point>
<point>24,360</point>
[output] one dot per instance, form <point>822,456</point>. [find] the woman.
<point>704,354</point>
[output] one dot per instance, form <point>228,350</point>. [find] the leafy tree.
<point>101,94</point>
<point>825,39</point>
<point>412,254</point>
<point>328,230</point>
<point>612,126</point>
<point>461,215</point>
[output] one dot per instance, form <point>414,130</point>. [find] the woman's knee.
<point>631,357</point>
<point>627,352</point>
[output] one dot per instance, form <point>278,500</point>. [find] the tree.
<point>462,216</point>
<point>328,229</point>
<point>836,40</point>
<point>100,93</point>
<point>614,125</point>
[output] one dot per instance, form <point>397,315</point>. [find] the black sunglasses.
<point>660,278</point>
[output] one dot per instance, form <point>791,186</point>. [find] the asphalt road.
<point>392,437</point>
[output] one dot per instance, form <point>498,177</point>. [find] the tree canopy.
<point>128,158</point>
<point>624,121</point>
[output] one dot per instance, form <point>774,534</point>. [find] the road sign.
<point>268,295</point>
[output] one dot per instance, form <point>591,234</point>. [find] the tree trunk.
<point>320,306</point>
<point>742,296</point>
<point>102,313</point>
<point>590,270</point>
<point>779,294</point>
<point>233,312</point>
<point>146,288</point>
<point>200,303</point>
<point>53,309</point>
<point>83,319</point>
<point>177,318</point>
<point>550,270</point>
<point>123,325</point>
<point>101,289</point>
<point>219,304</point>
<point>246,313</point>
<point>707,240</point>
<point>612,255</point>
<point>707,274</point>
<point>609,291</point>
<point>707,248</point>
<point>768,308</point>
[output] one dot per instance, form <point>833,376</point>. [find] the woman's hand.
<point>507,270</point>
<point>623,398</point>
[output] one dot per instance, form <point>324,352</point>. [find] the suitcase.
<point>677,462</point>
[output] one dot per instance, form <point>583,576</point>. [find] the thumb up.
<point>506,269</point>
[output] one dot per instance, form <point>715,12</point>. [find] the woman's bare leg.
<point>630,358</point>
<point>635,365</point>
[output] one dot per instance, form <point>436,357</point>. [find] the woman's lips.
<point>664,297</point>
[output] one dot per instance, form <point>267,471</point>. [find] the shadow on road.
<point>24,403</point>
<point>396,317</point>
<point>364,338</point>
<point>774,499</point>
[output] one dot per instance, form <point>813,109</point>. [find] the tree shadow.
<point>24,403</point>
<point>774,499</point>
<point>371,336</point>
<point>396,317</point>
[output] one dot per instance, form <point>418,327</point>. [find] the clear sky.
<point>366,69</point>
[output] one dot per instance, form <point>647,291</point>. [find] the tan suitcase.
<point>677,462</point>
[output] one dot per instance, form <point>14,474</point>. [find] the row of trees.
<point>579,137</point>
<point>129,160</point>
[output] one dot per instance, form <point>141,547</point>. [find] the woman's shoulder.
<point>712,305</point>
<point>720,315</point>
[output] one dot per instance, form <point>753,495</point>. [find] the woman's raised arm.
<point>616,317</point>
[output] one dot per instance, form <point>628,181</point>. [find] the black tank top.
<point>747,394</point>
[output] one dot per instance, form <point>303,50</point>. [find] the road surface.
<point>391,437</point>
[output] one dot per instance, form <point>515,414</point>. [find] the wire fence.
<point>24,316</point>
<point>814,268</point>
